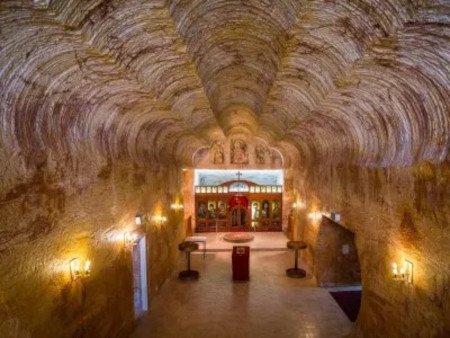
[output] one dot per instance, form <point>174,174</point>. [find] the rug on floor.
<point>349,301</point>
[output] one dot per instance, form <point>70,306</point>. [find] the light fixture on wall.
<point>78,270</point>
<point>315,216</point>
<point>299,205</point>
<point>404,273</point>
<point>159,219</point>
<point>177,206</point>
<point>130,238</point>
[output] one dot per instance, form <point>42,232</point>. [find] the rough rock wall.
<point>336,258</point>
<point>62,208</point>
<point>395,213</point>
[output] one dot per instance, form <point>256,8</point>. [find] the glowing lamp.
<point>159,219</point>
<point>315,216</point>
<point>404,273</point>
<point>176,206</point>
<point>130,238</point>
<point>77,270</point>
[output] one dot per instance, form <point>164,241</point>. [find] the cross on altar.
<point>239,174</point>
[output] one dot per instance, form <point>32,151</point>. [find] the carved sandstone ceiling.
<point>364,81</point>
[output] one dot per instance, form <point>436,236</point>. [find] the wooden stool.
<point>296,272</point>
<point>188,247</point>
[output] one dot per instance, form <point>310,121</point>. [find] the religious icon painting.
<point>260,154</point>
<point>222,210</point>
<point>239,154</point>
<point>276,209</point>
<point>212,209</point>
<point>255,210</point>
<point>217,152</point>
<point>265,210</point>
<point>201,209</point>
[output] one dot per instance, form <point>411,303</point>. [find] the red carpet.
<point>349,301</point>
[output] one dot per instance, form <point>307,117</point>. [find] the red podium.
<point>240,260</point>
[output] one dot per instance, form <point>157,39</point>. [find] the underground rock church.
<point>225,168</point>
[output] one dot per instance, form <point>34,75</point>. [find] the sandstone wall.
<point>53,209</point>
<point>395,213</point>
<point>336,257</point>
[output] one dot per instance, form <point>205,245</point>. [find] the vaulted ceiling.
<point>363,81</point>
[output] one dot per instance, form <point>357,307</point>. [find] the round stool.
<point>296,272</point>
<point>188,247</point>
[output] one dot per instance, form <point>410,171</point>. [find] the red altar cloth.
<point>240,260</point>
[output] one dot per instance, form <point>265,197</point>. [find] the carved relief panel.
<point>239,151</point>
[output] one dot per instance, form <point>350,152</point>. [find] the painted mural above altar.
<point>238,152</point>
<point>211,177</point>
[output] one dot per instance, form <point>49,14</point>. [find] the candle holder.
<point>404,273</point>
<point>78,270</point>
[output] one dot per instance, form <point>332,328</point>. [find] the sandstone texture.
<point>104,102</point>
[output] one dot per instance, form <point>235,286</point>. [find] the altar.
<point>238,205</point>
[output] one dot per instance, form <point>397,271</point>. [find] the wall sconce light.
<point>130,238</point>
<point>77,270</point>
<point>404,273</point>
<point>177,206</point>
<point>299,205</point>
<point>315,216</point>
<point>158,219</point>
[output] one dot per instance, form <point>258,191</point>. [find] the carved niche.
<point>260,154</point>
<point>239,151</point>
<point>218,154</point>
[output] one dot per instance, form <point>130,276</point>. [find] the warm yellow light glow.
<point>315,216</point>
<point>87,268</point>
<point>395,270</point>
<point>405,273</point>
<point>130,238</point>
<point>75,268</point>
<point>76,271</point>
<point>159,219</point>
<point>299,204</point>
<point>176,206</point>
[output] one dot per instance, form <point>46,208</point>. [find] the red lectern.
<point>240,260</point>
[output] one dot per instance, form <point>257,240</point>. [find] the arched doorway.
<point>238,206</point>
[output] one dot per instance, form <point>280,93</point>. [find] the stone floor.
<point>270,305</point>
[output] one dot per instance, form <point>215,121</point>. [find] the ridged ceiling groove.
<point>360,81</point>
